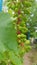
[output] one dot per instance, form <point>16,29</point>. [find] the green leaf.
<point>16,60</point>
<point>7,34</point>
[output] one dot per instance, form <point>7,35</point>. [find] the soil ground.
<point>30,58</point>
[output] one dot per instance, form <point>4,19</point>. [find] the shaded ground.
<point>30,58</point>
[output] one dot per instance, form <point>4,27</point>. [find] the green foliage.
<point>33,20</point>
<point>13,41</point>
<point>8,43</point>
